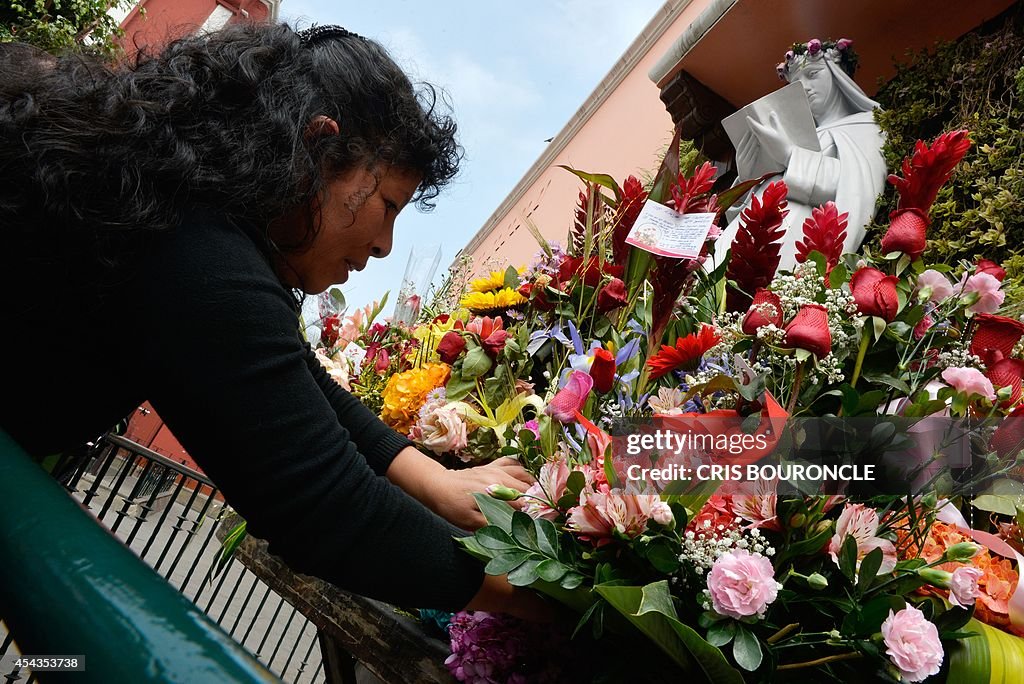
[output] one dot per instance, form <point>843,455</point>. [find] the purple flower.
<point>814,47</point>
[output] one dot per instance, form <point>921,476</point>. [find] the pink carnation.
<point>742,584</point>
<point>912,643</point>
<point>986,286</point>
<point>970,381</point>
<point>940,287</point>
<point>861,522</point>
<point>963,586</point>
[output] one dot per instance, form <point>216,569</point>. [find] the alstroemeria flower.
<point>970,381</point>
<point>603,513</point>
<point>861,523</point>
<point>547,490</point>
<point>571,398</point>
<point>875,293</point>
<point>809,330</point>
<point>667,402</point>
<point>765,309</point>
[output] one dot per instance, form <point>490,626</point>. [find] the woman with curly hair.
<point>160,222</point>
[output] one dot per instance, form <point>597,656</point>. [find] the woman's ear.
<point>321,125</point>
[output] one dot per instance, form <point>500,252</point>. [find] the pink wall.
<point>626,135</point>
<point>166,20</point>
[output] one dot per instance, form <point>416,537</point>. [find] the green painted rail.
<point>69,587</point>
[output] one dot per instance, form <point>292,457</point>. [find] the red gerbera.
<point>685,355</point>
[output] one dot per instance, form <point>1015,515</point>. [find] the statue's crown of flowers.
<point>839,51</point>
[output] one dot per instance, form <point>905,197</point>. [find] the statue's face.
<point>818,84</point>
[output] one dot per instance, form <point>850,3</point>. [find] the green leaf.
<point>848,557</point>
<point>746,649</point>
<point>338,297</point>
<point>497,513</point>
<point>476,363</point>
<point>878,326</point>
<point>888,381</point>
<point>575,483</point>
<point>506,562</point>
<point>524,531</point>
<point>511,277</point>
<point>991,656</point>
<point>475,549</point>
<point>869,569</point>
<point>550,570</point>
<point>572,580</point>
<point>459,387</point>
<point>650,610</point>
<point>720,633</point>
<point>228,547</point>
<point>601,179</point>
<point>495,538</point>
<point>838,276</point>
<point>661,554</point>
<point>525,574</point>
<point>594,607</point>
<point>729,197</point>
<point>547,537</point>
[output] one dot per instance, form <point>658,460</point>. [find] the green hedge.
<point>976,82</point>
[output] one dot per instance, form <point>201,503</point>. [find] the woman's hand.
<point>449,493</point>
<point>452,495</point>
<point>496,595</point>
<point>773,139</point>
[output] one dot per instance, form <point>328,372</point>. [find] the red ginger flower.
<point>602,370</point>
<point>633,198</point>
<point>995,337</point>
<point>755,250</point>
<point>875,293</point>
<point>809,330</point>
<point>825,232</point>
<point>690,195</point>
<point>590,272</point>
<point>765,309</point>
<point>1007,373</point>
<point>685,355</point>
<point>924,173</point>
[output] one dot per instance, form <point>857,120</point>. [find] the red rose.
<point>1007,373</point>
<point>602,370</point>
<point>612,296</point>
<point>907,231</point>
<point>809,330</point>
<point>450,346</point>
<point>765,309</point>
<point>875,293</point>
<point>992,268</point>
<point>995,337</point>
<point>494,342</point>
<point>332,328</point>
<point>1009,436</point>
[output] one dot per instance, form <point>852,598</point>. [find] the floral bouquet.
<point>673,413</point>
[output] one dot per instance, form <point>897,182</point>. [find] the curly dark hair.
<point>95,157</point>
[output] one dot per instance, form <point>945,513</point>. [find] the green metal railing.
<point>68,587</point>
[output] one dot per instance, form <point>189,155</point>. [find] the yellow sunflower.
<point>482,302</point>
<point>495,280</point>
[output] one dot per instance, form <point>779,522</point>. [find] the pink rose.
<point>843,43</point>
<point>337,369</point>
<point>861,522</point>
<point>742,584</point>
<point>443,431</point>
<point>814,46</point>
<point>940,287</point>
<point>986,287</point>
<point>963,586</point>
<point>970,381</point>
<point>570,399</point>
<point>912,643</point>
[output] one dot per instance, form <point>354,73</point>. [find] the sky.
<point>515,73</point>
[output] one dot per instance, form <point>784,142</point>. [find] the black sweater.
<point>205,331</point>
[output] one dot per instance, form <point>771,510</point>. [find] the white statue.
<point>849,169</point>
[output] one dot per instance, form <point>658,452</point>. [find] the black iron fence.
<point>168,514</point>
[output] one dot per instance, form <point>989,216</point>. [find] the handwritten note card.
<point>661,230</point>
